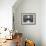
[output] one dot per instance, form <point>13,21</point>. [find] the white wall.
<point>35,32</point>
<point>43,22</point>
<point>6,13</point>
<point>30,31</point>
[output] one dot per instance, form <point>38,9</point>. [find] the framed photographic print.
<point>28,18</point>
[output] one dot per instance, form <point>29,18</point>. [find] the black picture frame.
<point>28,18</point>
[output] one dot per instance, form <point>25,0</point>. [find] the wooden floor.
<point>12,42</point>
<point>9,43</point>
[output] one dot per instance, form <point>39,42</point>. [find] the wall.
<point>6,13</point>
<point>6,16</point>
<point>29,31</point>
<point>43,22</point>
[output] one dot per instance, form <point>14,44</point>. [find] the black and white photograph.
<point>28,18</point>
